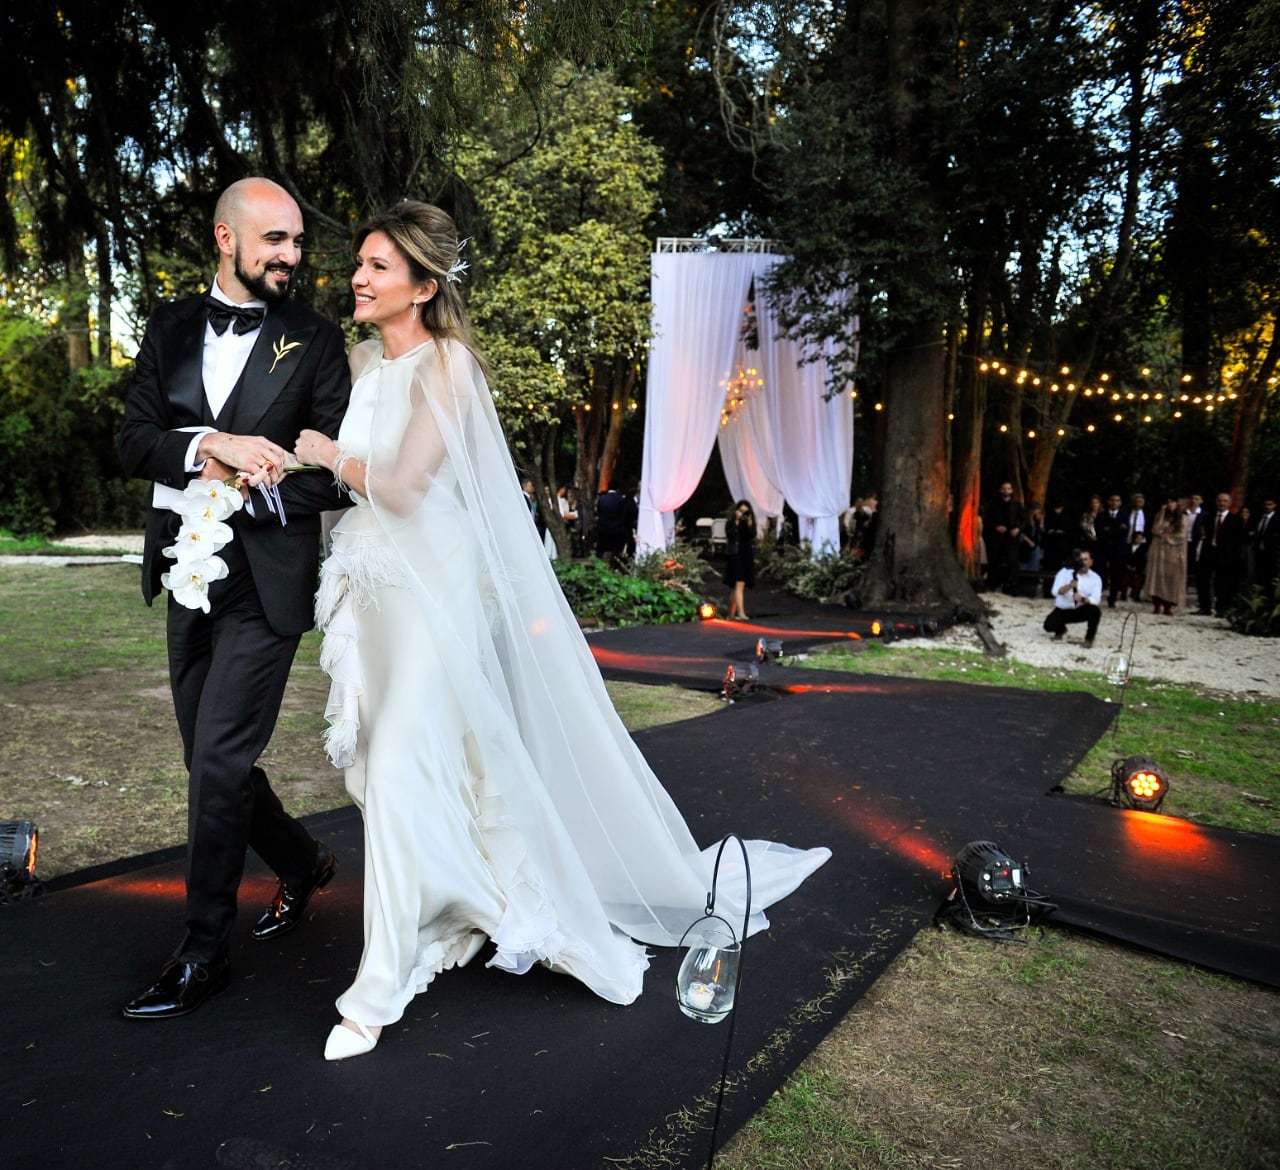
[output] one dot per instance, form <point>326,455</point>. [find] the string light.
<point>1106,389</point>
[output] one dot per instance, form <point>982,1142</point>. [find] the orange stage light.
<point>1137,782</point>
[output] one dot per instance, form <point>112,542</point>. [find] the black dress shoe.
<point>285,911</point>
<point>181,988</point>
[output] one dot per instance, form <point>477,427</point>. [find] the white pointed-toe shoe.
<point>343,1042</point>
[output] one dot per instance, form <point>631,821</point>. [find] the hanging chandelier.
<point>745,384</point>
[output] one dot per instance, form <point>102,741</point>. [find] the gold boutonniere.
<point>281,349</point>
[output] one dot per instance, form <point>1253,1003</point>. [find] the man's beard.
<point>260,286</point>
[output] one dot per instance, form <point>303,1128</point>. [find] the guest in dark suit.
<point>616,515</point>
<point>1112,527</point>
<point>1219,544</point>
<point>1002,522</point>
<point>222,386</point>
<point>1137,539</point>
<point>1266,549</point>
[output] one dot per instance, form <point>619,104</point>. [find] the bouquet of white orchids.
<point>205,507</point>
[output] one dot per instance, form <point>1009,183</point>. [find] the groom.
<point>223,384</point>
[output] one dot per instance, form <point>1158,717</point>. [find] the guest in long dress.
<point>487,824</point>
<point>740,568</point>
<point>1166,579</point>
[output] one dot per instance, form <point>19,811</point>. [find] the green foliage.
<point>824,577</point>
<point>678,567</point>
<point>1255,613</point>
<point>565,256</point>
<point>594,590</point>
<point>57,431</point>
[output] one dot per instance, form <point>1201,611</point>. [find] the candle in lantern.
<point>700,996</point>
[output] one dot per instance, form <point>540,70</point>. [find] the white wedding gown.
<point>502,798</point>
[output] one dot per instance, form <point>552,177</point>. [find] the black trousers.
<point>228,670</point>
<point>1217,580</point>
<point>1059,619</point>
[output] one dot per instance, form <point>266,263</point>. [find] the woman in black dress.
<point>740,571</point>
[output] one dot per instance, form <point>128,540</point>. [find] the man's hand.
<point>216,469</point>
<point>254,456</point>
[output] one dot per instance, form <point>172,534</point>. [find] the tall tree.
<point>957,163</point>
<point>1223,174</point>
<point>564,308</point>
<point>140,114</point>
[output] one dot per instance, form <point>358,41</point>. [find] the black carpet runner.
<point>492,1072</point>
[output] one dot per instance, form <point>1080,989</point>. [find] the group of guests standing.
<point>1139,553</point>
<point>1223,550</point>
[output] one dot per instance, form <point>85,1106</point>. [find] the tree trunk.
<point>545,491</point>
<point>966,449</point>
<point>913,561</point>
<point>1252,401</point>
<point>618,400</point>
<point>104,293</point>
<point>75,312</point>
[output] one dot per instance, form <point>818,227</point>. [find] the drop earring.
<point>415,310</point>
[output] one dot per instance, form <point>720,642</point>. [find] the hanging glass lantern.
<point>1116,669</point>
<point>707,983</point>
<point>708,978</point>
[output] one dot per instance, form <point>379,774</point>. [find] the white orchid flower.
<point>198,539</point>
<point>210,498</point>
<point>189,580</point>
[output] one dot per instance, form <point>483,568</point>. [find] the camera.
<point>1078,565</point>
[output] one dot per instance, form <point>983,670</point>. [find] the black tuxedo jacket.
<point>296,377</point>
<point>1267,550</point>
<point>1112,532</point>
<point>1230,537</point>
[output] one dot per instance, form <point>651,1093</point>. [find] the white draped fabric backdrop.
<point>788,442</point>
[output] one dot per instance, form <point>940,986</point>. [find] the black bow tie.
<point>242,318</point>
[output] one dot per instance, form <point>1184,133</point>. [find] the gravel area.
<point>1185,648</point>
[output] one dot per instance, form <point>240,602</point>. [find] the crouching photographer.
<point>1077,597</point>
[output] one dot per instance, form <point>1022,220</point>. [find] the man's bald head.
<point>258,229</point>
<point>233,201</point>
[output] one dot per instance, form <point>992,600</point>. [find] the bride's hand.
<point>314,447</point>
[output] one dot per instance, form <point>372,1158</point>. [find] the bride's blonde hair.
<point>427,238</point>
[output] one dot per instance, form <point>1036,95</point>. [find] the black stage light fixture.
<point>853,599</point>
<point>707,610</point>
<point>883,630</point>
<point>990,897</point>
<point>1138,782</point>
<point>19,841</point>
<point>768,649</point>
<point>739,681</point>
<point>927,626</point>
<point>988,873</point>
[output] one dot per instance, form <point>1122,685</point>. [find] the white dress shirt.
<point>223,361</point>
<point>1088,584</point>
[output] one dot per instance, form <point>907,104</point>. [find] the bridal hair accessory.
<point>459,266</point>
<point>205,506</point>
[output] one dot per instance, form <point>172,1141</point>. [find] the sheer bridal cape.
<point>502,796</point>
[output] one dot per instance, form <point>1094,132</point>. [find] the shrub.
<point>825,577</point>
<point>594,590</point>
<point>1255,613</point>
<point>679,567</point>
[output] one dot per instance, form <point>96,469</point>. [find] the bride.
<point>491,814</point>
